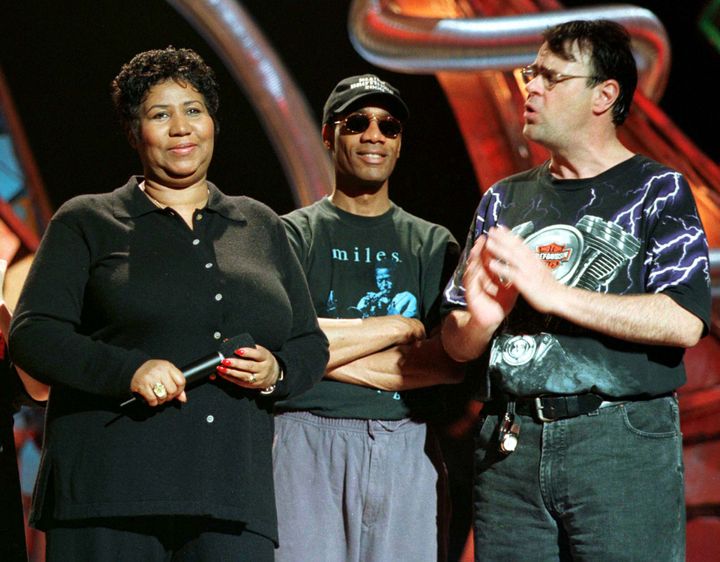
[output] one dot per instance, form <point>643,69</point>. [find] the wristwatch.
<point>270,389</point>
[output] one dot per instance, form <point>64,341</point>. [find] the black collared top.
<point>118,281</point>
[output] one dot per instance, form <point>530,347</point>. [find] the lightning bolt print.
<point>634,229</point>
<point>495,208</point>
<point>688,247</point>
<point>584,209</point>
<point>630,217</point>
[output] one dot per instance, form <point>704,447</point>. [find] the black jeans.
<point>606,486</point>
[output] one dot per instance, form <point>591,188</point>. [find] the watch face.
<point>560,247</point>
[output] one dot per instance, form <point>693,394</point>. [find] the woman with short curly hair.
<point>128,288</point>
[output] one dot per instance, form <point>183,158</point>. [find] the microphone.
<point>205,366</point>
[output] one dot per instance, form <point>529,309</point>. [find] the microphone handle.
<point>192,372</point>
<point>202,367</point>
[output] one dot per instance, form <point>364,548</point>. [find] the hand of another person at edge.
<point>5,314</point>
<point>251,367</point>
<point>489,297</point>
<point>155,371</point>
<point>520,267</point>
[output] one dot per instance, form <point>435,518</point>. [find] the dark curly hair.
<point>149,68</point>
<point>608,45</point>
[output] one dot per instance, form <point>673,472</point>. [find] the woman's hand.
<point>157,375</point>
<point>252,367</point>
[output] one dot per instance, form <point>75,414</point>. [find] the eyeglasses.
<point>550,77</point>
<point>359,122</point>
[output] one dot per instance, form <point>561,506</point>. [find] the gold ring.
<point>252,378</point>
<point>159,390</point>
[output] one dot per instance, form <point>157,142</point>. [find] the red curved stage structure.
<point>474,48</point>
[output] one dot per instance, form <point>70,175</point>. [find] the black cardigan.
<point>118,281</point>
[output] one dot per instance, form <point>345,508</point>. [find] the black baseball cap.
<point>355,88</point>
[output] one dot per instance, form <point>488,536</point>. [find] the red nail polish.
<point>221,369</point>
<point>226,362</point>
<point>240,352</point>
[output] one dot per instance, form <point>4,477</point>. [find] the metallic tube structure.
<point>280,106</point>
<point>420,45</point>
<point>715,273</point>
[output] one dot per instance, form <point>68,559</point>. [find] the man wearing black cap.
<point>358,473</point>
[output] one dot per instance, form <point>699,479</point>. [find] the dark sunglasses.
<point>359,122</point>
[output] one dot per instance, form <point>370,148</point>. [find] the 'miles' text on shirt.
<point>366,255</point>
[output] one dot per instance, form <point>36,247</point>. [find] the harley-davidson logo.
<point>554,254</point>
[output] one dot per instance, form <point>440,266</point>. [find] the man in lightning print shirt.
<point>582,281</point>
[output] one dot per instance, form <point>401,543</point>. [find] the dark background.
<point>59,59</point>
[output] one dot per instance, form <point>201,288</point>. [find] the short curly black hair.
<point>146,69</point>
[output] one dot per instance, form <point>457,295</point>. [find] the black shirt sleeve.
<point>49,313</point>
<point>304,355</point>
